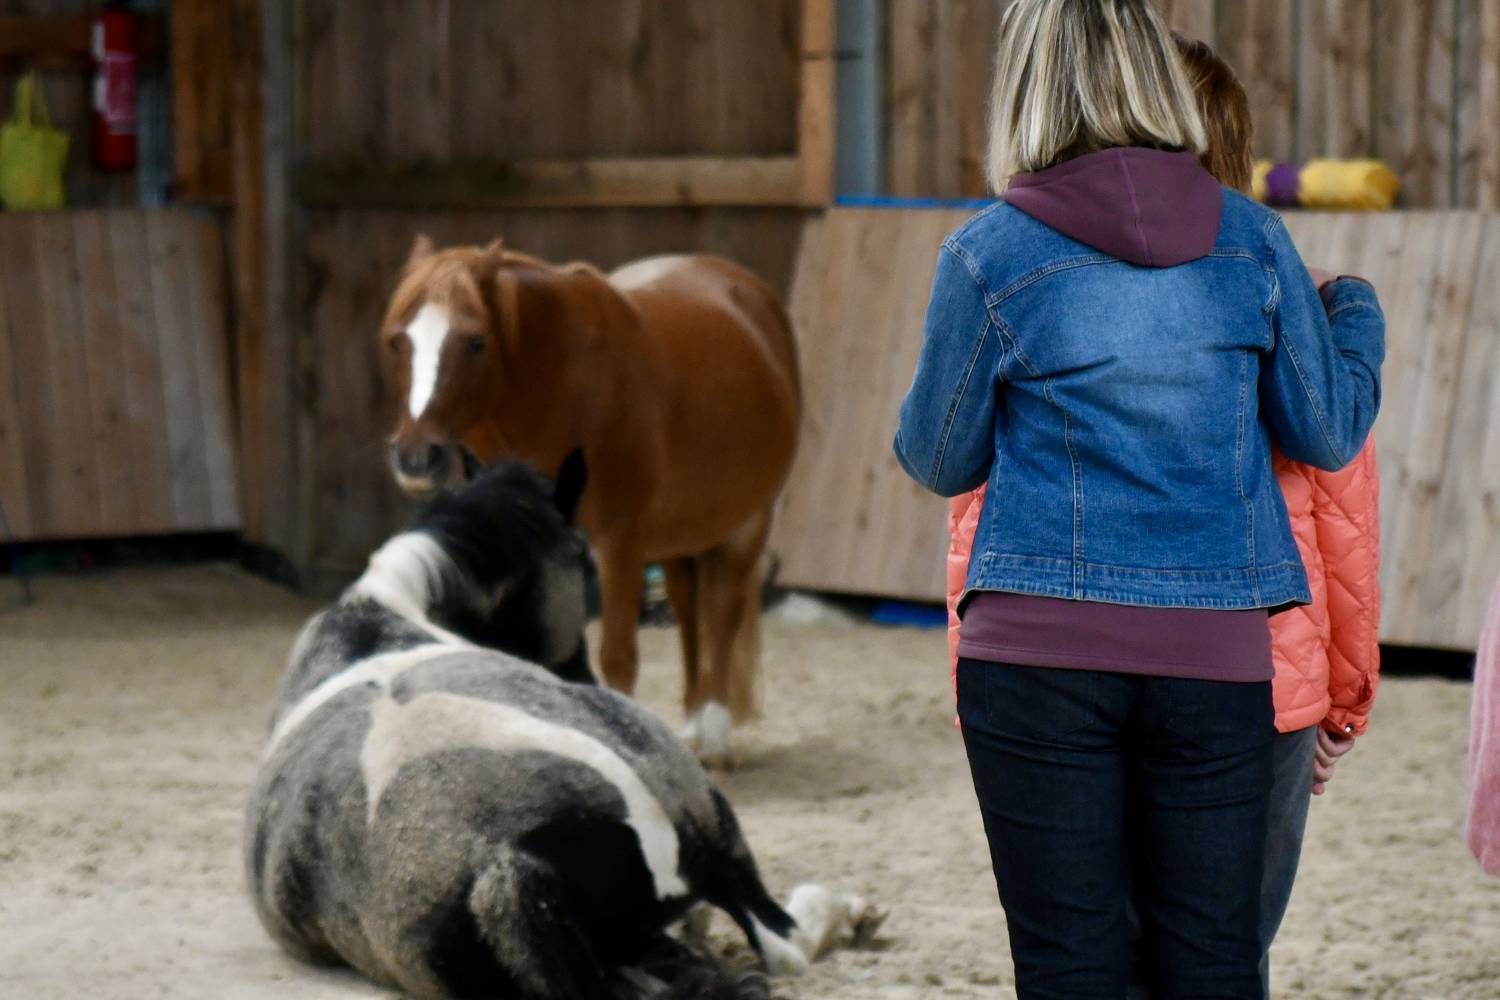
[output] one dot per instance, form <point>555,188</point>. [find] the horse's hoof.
<point>722,763</point>
<point>865,920</point>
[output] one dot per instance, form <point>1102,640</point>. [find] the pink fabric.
<point>1484,745</point>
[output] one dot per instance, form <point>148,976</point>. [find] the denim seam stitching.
<point>953,405</point>
<point>1239,478</point>
<point>1291,353</point>
<point>1037,274</point>
<point>1077,490</point>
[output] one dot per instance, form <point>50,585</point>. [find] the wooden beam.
<point>815,105</point>
<point>64,41</point>
<point>264,337</point>
<point>582,183</point>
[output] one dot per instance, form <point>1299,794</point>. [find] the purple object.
<point>1282,184</point>
<point>1145,206</point>
<point>1191,643</point>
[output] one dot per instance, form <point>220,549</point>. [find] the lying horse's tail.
<point>513,930</point>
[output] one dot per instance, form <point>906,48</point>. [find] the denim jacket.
<point>1123,415</point>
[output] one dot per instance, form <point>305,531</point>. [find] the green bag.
<point>33,155</point>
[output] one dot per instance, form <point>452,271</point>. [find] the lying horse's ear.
<point>571,480</point>
<point>472,466</point>
<point>421,247</point>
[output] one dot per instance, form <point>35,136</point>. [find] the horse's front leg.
<point>620,566</point>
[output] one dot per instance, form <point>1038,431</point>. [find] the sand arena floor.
<point>132,706</point>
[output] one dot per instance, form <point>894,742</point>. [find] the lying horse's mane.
<point>504,521</point>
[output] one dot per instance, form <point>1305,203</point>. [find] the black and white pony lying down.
<point>454,820</point>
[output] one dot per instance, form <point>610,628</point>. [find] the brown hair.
<point>1226,113</point>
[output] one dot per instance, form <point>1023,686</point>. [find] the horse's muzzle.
<point>423,468</point>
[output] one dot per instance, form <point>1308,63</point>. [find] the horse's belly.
<point>731,400</point>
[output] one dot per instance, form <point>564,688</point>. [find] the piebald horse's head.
<point>488,353</point>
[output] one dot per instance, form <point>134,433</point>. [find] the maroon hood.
<point>1144,206</point>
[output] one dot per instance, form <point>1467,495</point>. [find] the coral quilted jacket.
<point>1327,653</point>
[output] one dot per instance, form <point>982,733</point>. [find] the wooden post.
<point>264,342</point>
<point>815,104</point>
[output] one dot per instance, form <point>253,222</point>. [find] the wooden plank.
<point>141,368</point>
<point>419,80</point>
<point>201,39</point>
<point>203,298</point>
<point>815,104</point>
<point>1193,18</point>
<point>1478,167</point>
<point>1464,554</point>
<point>1258,39</point>
<point>615,181</point>
<point>14,496</point>
<point>1449,277</point>
<point>891,498</point>
<point>62,42</point>
<point>187,463</point>
<point>1414,95</point>
<point>1335,113</point>
<point>76,506</point>
<point>857,301</point>
<point>910,114</point>
<point>103,338</point>
<point>21,276</point>
<point>980,23</point>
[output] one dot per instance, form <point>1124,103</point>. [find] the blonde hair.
<point>1077,76</point>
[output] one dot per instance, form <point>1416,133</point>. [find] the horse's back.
<point>724,359</point>
<point>675,291</point>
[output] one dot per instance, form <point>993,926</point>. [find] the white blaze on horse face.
<point>426,331</point>
<point>402,732</point>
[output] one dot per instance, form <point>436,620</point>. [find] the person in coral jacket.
<point>1326,654</point>
<point>1484,745</point>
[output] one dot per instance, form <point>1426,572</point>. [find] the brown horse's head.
<point>489,352</point>
<point>440,351</point>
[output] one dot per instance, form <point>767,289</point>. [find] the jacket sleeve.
<point>945,439</point>
<point>1320,387</point>
<point>1346,508</point>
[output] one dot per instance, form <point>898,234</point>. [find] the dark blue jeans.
<point>1095,786</point>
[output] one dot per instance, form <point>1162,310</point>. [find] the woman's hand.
<point>1321,277</point>
<point>1330,748</point>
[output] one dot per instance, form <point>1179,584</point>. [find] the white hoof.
<point>692,732</point>
<point>827,920</point>
<point>712,745</point>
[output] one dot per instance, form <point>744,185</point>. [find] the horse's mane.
<point>503,523</point>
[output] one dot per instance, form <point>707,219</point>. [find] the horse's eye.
<point>393,343</point>
<point>476,343</point>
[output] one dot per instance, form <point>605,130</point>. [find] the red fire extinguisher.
<point>116,43</point>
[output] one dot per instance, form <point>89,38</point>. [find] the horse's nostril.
<point>436,453</point>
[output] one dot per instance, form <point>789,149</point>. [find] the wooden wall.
<point>852,521</point>
<point>1415,82</point>
<point>114,375</point>
<point>481,82</point>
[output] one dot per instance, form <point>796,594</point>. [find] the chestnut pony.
<point>678,378</point>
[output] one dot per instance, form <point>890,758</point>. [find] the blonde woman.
<point>1112,352</point>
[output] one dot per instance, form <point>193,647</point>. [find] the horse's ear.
<point>571,480</point>
<point>472,466</point>
<point>495,247</point>
<point>421,247</point>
